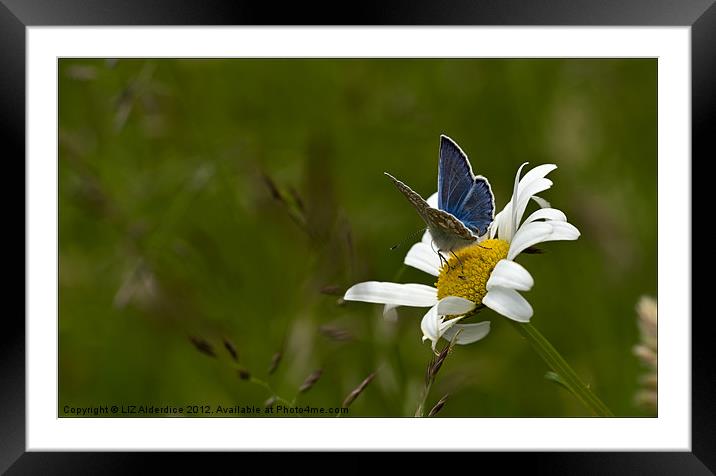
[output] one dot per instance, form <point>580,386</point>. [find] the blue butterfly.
<point>466,205</point>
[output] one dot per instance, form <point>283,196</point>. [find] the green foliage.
<point>237,199</point>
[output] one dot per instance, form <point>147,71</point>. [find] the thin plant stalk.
<point>431,373</point>
<point>268,387</point>
<point>420,411</point>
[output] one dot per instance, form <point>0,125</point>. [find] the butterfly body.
<point>466,205</point>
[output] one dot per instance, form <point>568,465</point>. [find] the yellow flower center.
<point>466,273</point>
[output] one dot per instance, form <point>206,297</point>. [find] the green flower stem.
<point>557,363</point>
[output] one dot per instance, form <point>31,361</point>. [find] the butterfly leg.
<point>462,266</point>
<point>443,260</point>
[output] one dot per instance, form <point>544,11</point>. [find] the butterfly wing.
<point>467,197</point>
<point>446,230</point>
<point>415,200</point>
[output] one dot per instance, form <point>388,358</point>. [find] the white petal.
<point>421,256</point>
<point>563,231</point>
<point>506,223</point>
<point>445,326</point>
<point>427,238</point>
<point>536,173</point>
<point>528,235</point>
<point>510,224</point>
<point>430,325</point>
<point>434,325</point>
<point>390,312</point>
<point>469,333</point>
<point>433,200</point>
<point>417,295</point>
<point>454,305</point>
<point>541,201</point>
<point>509,303</point>
<point>546,214</point>
<point>503,223</point>
<point>534,187</point>
<point>518,183</point>
<point>495,225</point>
<point>511,275</point>
<point>524,190</point>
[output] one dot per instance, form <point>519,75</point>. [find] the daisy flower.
<point>484,274</point>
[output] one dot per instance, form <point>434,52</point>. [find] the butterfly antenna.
<point>410,236</point>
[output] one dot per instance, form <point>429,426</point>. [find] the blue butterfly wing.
<point>460,193</point>
<point>476,211</point>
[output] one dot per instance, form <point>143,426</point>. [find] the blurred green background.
<point>211,200</point>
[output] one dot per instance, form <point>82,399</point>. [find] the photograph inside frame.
<point>357,237</point>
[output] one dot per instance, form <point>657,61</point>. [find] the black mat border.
<point>16,15</point>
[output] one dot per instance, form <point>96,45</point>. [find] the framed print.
<point>359,234</point>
